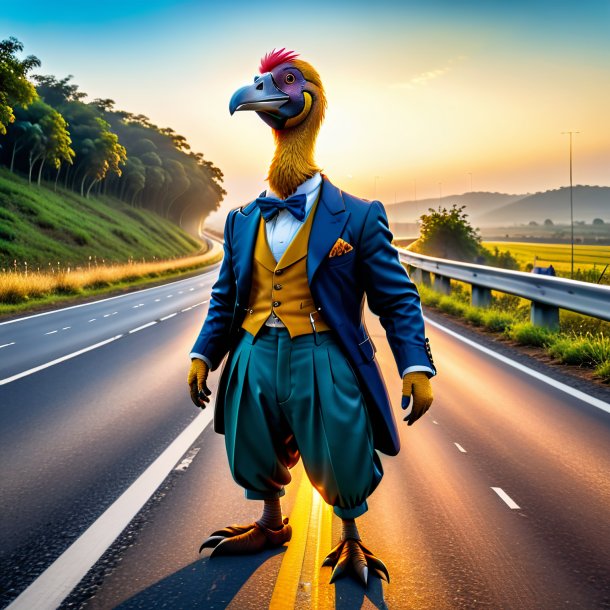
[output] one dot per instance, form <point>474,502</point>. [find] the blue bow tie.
<point>270,206</point>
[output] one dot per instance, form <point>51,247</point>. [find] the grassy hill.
<point>39,226</point>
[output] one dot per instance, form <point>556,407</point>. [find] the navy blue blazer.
<point>338,286</point>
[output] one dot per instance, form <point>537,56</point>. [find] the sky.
<point>425,99</point>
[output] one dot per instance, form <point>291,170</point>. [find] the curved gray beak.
<point>261,96</point>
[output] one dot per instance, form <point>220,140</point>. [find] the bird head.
<point>285,94</point>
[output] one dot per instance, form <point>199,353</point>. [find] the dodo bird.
<point>301,379</point>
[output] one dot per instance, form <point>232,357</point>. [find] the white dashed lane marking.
<point>66,328</point>
<point>92,320</point>
<point>460,448</point>
<point>171,315</point>
<point>186,309</point>
<point>7,344</point>
<point>435,422</point>
<point>51,332</point>
<point>135,330</point>
<point>57,361</point>
<point>506,498</point>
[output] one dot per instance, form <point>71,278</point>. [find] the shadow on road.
<point>202,584</point>
<point>350,594</point>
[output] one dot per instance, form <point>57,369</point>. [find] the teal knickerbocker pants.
<point>287,397</point>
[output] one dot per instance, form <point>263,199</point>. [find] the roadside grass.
<point>580,341</point>
<point>20,291</point>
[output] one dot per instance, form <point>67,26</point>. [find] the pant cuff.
<point>252,494</point>
<point>351,513</point>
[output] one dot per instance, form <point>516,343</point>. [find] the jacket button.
<point>279,271</point>
<point>276,303</point>
<point>277,286</point>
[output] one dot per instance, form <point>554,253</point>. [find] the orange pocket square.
<point>340,247</point>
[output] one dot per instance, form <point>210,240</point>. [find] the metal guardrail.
<point>547,294</point>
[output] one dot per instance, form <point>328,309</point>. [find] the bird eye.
<point>289,78</point>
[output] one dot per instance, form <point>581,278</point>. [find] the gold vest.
<point>281,287</point>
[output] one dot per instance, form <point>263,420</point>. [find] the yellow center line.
<point>311,520</point>
<point>287,584</point>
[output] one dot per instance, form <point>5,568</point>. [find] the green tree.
<point>14,85</point>
<point>50,142</point>
<point>448,234</point>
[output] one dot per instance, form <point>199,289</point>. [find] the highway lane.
<point>75,435</point>
<point>31,341</point>
<point>449,539</point>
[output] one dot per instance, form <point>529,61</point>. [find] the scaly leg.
<point>351,556</point>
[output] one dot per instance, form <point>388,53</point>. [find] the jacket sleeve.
<point>391,294</point>
<point>213,341</point>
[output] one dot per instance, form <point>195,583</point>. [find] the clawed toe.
<point>350,556</point>
<point>246,539</point>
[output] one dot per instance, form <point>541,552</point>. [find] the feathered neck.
<point>293,161</point>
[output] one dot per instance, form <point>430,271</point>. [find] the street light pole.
<point>570,133</point>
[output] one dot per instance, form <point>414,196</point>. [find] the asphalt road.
<point>75,435</point>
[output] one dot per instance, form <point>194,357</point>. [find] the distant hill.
<point>476,203</point>
<point>498,209</point>
<point>43,227</point>
<point>589,202</point>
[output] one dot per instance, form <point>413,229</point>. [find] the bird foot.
<point>245,539</point>
<point>350,556</point>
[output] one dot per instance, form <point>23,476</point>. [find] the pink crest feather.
<point>275,58</point>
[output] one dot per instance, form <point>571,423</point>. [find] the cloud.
<point>422,78</point>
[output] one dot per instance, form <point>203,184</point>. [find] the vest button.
<point>276,303</point>
<point>279,271</point>
<point>277,286</point>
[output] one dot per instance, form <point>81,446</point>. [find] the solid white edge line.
<point>460,448</point>
<point>506,498</point>
<point>171,315</point>
<point>57,361</point>
<point>135,330</point>
<point>118,296</point>
<point>591,400</point>
<point>59,579</point>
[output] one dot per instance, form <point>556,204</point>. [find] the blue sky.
<point>418,91</point>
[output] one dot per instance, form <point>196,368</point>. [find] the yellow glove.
<point>418,385</point>
<point>198,375</point>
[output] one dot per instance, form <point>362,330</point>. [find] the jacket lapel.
<point>328,224</point>
<point>244,238</point>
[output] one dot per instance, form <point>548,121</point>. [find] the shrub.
<point>451,306</point>
<point>603,371</point>
<point>497,321</point>
<point>474,315</point>
<point>587,350</point>
<point>527,333</point>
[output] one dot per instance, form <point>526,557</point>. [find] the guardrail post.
<point>425,278</point>
<point>481,297</point>
<point>415,274</point>
<point>542,314</point>
<point>442,284</point>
